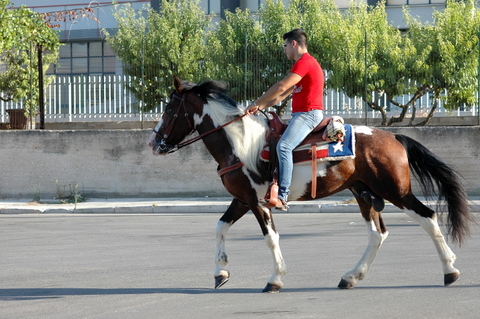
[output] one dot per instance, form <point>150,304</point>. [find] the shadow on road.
<point>12,294</point>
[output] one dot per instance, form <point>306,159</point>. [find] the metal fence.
<point>87,98</point>
<point>105,97</point>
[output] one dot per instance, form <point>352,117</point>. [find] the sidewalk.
<point>333,204</point>
<point>160,205</point>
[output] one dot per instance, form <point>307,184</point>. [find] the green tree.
<point>440,59</point>
<point>234,53</point>
<point>364,55</point>
<point>447,55</point>
<point>155,46</point>
<point>246,53</point>
<point>388,65</point>
<point>20,39</point>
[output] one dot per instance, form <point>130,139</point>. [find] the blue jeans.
<point>300,125</point>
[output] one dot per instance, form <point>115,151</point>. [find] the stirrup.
<point>271,197</point>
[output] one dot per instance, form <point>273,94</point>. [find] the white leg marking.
<point>430,225</point>
<point>375,240</point>
<point>221,260</point>
<point>272,240</point>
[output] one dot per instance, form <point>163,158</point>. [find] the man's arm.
<point>278,92</point>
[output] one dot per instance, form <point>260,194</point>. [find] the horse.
<point>380,171</point>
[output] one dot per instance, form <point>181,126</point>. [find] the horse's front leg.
<point>234,212</point>
<point>272,239</point>
<point>275,283</point>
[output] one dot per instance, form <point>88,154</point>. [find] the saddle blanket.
<point>326,151</point>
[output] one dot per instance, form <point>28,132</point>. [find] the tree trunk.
<point>399,118</point>
<point>382,111</point>
<point>414,113</point>
<point>421,91</point>
<point>432,110</point>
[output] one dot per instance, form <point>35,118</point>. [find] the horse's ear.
<point>178,84</point>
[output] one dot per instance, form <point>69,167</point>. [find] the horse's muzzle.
<point>161,148</point>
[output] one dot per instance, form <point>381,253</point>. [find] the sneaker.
<point>283,206</point>
<point>262,201</point>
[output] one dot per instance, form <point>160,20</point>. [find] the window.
<point>412,2</point>
<point>77,58</point>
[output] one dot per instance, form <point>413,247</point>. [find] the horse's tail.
<point>431,171</point>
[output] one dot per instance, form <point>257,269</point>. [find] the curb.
<point>168,208</point>
<point>185,206</point>
<point>163,206</point>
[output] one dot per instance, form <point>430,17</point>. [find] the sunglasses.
<point>285,44</point>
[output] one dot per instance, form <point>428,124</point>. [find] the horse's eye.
<point>169,110</point>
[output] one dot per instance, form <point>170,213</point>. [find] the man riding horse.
<point>305,82</point>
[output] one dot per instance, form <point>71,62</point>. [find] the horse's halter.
<point>164,147</point>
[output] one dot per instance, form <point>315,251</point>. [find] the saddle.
<point>329,129</point>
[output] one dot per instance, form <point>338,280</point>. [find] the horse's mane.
<point>210,90</point>
<point>246,136</point>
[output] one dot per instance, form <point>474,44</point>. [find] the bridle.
<point>175,116</point>
<point>163,145</point>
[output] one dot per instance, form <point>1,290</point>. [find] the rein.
<point>196,138</point>
<point>192,140</point>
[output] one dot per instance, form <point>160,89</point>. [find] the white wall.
<point>106,163</point>
<point>112,163</point>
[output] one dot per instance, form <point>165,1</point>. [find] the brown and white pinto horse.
<point>379,171</point>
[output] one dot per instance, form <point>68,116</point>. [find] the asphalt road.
<point>161,266</point>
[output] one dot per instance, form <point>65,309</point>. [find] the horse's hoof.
<point>271,288</point>
<point>221,280</point>
<point>449,279</point>
<point>344,284</point>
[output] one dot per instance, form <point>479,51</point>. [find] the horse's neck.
<point>219,146</point>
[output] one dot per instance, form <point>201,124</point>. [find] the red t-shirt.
<point>308,92</point>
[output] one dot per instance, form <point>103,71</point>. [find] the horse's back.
<point>377,143</point>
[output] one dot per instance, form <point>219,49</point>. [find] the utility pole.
<point>41,99</point>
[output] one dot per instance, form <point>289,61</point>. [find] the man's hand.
<point>252,109</point>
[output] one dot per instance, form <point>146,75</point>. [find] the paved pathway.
<point>161,266</point>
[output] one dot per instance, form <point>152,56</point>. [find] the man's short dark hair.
<point>298,35</point>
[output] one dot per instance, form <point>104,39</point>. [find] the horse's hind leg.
<point>428,220</point>
<point>234,212</point>
<point>377,233</point>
